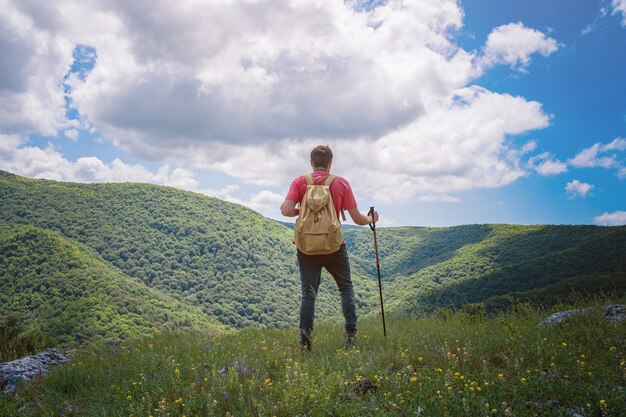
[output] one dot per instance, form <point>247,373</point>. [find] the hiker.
<point>336,262</point>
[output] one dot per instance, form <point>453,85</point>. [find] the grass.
<point>446,365</point>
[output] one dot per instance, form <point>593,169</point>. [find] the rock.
<point>112,342</point>
<point>574,412</point>
<point>16,372</point>
<point>535,406</point>
<point>364,386</point>
<point>554,404</point>
<point>613,312</point>
<point>560,317</point>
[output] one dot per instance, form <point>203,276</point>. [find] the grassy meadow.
<point>444,365</point>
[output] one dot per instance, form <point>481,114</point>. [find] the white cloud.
<point>546,165</point>
<point>593,157</point>
<point>513,44</point>
<point>460,144</point>
<point>33,64</point>
<point>249,88</point>
<point>71,134</point>
<point>618,144</point>
<point>617,218</point>
<point>439,198</point>
<point>576,189</point>
<point>246,72</point>
<point>619,6</point>
<point>265,202</point>
<point>48,163</point>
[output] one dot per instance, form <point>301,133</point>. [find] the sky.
<point>439,112</point>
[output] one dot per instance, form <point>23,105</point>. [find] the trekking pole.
<point>380,286</point>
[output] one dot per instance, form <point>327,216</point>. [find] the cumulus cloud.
<point>545,164</point>
<point>285,70</point>
<point>48,163</point>
<point>617,218</point>
<point>601,156</point>
<point>460,144</point>
<point>249,88</point>
<point>265,202</point>
<point>513,44</point>
<point>619,6</point>
<point>71,134</point>
<point>576,189</point>
<point>33,64</point>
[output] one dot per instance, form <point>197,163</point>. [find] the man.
<point>337,263</point>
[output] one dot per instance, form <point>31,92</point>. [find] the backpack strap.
<point>309,179</point>
<point>329,180</point>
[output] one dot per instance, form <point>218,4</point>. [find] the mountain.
<point>227,260</point>
<point>430,268</point>
<point>238,268</point>
<point>71,293</point>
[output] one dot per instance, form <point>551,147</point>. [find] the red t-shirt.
<point>340,190</point>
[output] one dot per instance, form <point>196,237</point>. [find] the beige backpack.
<point>318,231</point>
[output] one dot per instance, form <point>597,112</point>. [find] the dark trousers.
<point>338,265</point>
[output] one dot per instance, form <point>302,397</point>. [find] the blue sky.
<point>440,112</point>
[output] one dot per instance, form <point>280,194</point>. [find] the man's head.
<point>321,157</point>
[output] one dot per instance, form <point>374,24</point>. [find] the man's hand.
<point>362,219</point>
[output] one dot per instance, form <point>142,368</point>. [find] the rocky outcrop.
<point>613,312</point>
<point>14,373</point>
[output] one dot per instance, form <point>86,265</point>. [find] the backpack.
<point>317,230</point>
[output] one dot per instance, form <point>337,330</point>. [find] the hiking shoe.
<point>350,339</point>
<point>305,340</point>
<point>305,346</point>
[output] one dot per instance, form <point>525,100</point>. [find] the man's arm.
<point>288,208</point>
<point>362,219</point>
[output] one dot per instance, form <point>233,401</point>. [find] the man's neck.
<point>320,170</point>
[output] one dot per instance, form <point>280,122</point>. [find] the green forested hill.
<point>239,268</point>
<point>229,261</point>
<point>70,293</point>
<point>429,268</point>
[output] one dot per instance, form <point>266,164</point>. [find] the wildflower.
<point>129,397</point>
<point>413,378</point>
<point>602,403</point>
<point>613,349</point>
<point>179,401</point>
<point>478,389</point>
<point>500,376</point>
<point>523,380</point>
<point>564,344</point>
<point>177,372</point>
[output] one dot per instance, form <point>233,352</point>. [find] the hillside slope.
<point>70,293</point>
<point>228,260</point>
<point>239,267</point>
<point>429,268</point>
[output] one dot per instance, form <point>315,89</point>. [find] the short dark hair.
<point>321,156</point>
